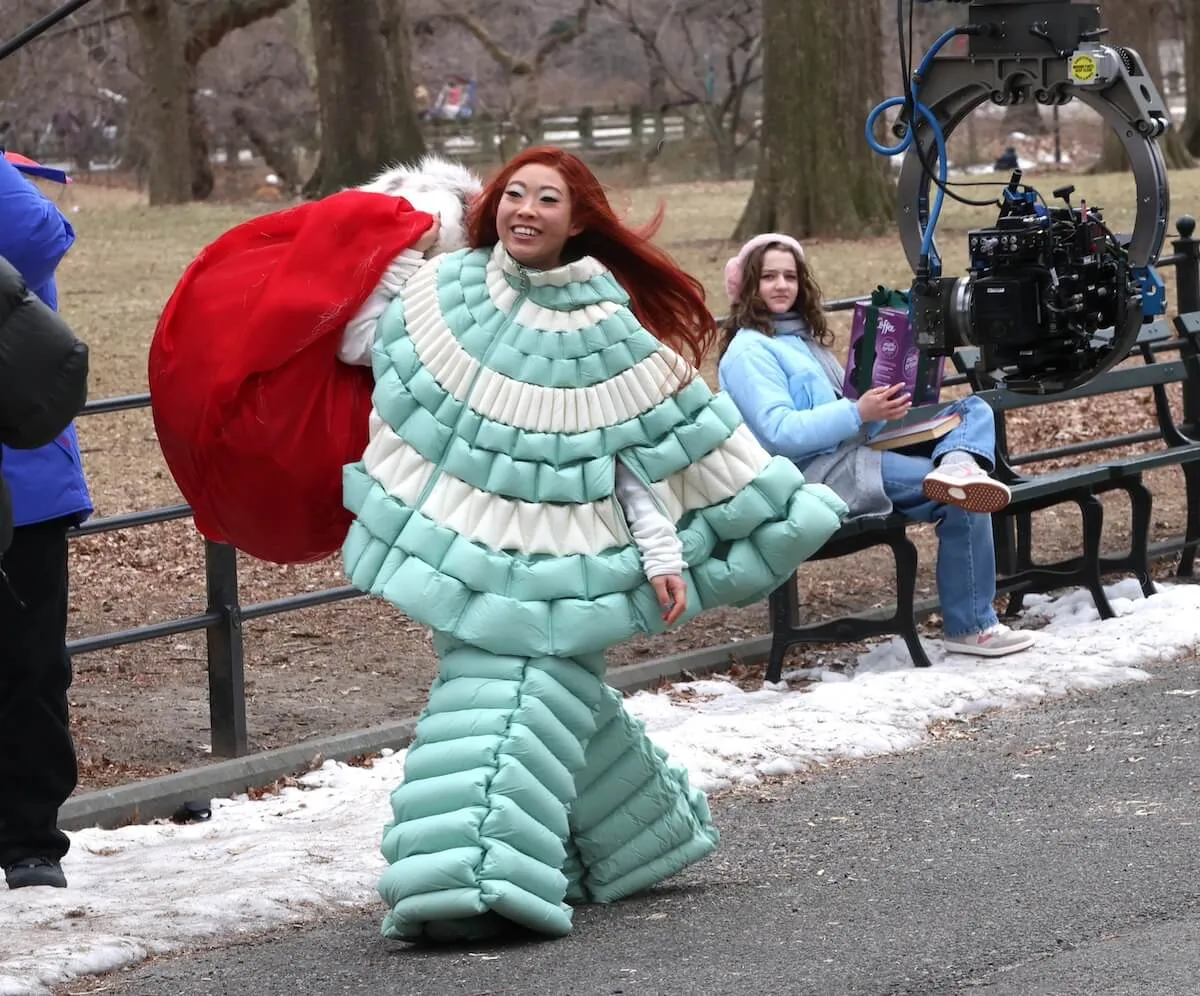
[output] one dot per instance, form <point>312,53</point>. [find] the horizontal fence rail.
<point>224,614</point>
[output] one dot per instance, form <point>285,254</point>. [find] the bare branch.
<point>208,23</point>
<point>96,22</point>
<point>557,39</point>
<point>651,47</point>
<point>514,65</point>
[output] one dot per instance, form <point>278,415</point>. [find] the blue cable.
<point>939,137</point>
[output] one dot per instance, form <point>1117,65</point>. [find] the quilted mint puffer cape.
<point>484,502</point>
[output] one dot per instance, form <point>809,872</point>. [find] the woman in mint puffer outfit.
<point>546,478</point>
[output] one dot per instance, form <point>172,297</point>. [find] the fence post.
<point>1187,299</point>
<point>226,662</point>
<point>587,127</point>
<point>485,138</point>
<point>637,125</point>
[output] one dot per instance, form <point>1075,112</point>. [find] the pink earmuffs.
<point>734,268</point>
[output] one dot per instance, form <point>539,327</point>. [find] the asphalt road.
<point>1050,851</point>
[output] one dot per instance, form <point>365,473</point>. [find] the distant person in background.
<point>49,495</point>
<point>421,100</point>
<point>1006,160</point>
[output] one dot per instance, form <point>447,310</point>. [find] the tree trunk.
<point>405,126</point>
<point>1025,118</point>
<point>1190,129</point>
<point>202,180</point>
<point>279,159</point>
<point>358,95</point>
<point>727,155</point>
<point>161,25</point>
<point>1131,25</point>
<point>816,174</point>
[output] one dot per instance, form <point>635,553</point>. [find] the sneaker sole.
<point>983,496</point>
<point>986,651</point>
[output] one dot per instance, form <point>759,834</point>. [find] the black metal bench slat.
<point>1112,382</point>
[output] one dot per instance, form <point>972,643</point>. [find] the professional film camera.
<point>1052,297</point>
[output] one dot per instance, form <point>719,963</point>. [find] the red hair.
<point>668,302</point>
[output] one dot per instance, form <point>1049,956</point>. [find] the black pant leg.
<point>37,756</point>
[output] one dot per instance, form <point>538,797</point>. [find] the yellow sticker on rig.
<point>1083,68</point>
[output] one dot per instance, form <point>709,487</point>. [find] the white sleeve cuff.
<point>654,533</point>
<point>359,336</point>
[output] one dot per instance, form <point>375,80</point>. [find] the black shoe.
<point>35,871</point>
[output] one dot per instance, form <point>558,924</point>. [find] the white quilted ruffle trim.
<point>530,406</point>
<point>715,477</point>
<point>578,272</point>
<point>496,522</point>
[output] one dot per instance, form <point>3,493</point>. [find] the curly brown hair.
<point>749,311</point>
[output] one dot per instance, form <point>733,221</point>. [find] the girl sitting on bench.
<point>777,367</point>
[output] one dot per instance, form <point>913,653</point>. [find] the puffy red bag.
<point>255,414</point>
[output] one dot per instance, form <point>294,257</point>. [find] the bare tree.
<point>68,93</point>
<point>1026,118</point>
<point>523,67</point>
<point>1131,25</point>
<point>816,174</point>
<point>1190,129</point>
<point>174,37</point>
<point>714,63</point>
<point>364,91</point>
<point>258,91</point>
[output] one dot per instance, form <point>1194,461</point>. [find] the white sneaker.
<point>966,485</point>
<point>995,641</point>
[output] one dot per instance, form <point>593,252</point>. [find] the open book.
<point>916,432</point>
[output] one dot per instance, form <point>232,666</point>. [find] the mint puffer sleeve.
<point>786,425</point>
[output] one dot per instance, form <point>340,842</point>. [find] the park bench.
<point>1018,573</point>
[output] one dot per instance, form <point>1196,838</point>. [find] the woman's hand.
<point>671,590</point>
<point>884,404</point>
<point>427,241</point>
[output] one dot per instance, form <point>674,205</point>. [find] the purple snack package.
<point>883,351</point>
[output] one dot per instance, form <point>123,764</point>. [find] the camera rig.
<point>1051,297</point>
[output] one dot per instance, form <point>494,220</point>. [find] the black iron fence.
<point>224,614</point>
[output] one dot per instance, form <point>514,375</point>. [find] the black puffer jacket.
<point>43,376</point>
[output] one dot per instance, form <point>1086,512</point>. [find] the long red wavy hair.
<point>668,302</point>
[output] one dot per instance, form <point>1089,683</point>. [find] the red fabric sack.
<point>255,414</point>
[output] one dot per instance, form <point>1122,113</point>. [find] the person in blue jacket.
<point>777,367</point>
<point>49,496</point>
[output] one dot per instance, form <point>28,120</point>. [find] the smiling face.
<point>779,283</point>
<point>533,218</point>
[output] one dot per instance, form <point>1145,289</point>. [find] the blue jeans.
<point>966,559</point>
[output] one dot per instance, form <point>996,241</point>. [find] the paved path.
<point>1045,852</point>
